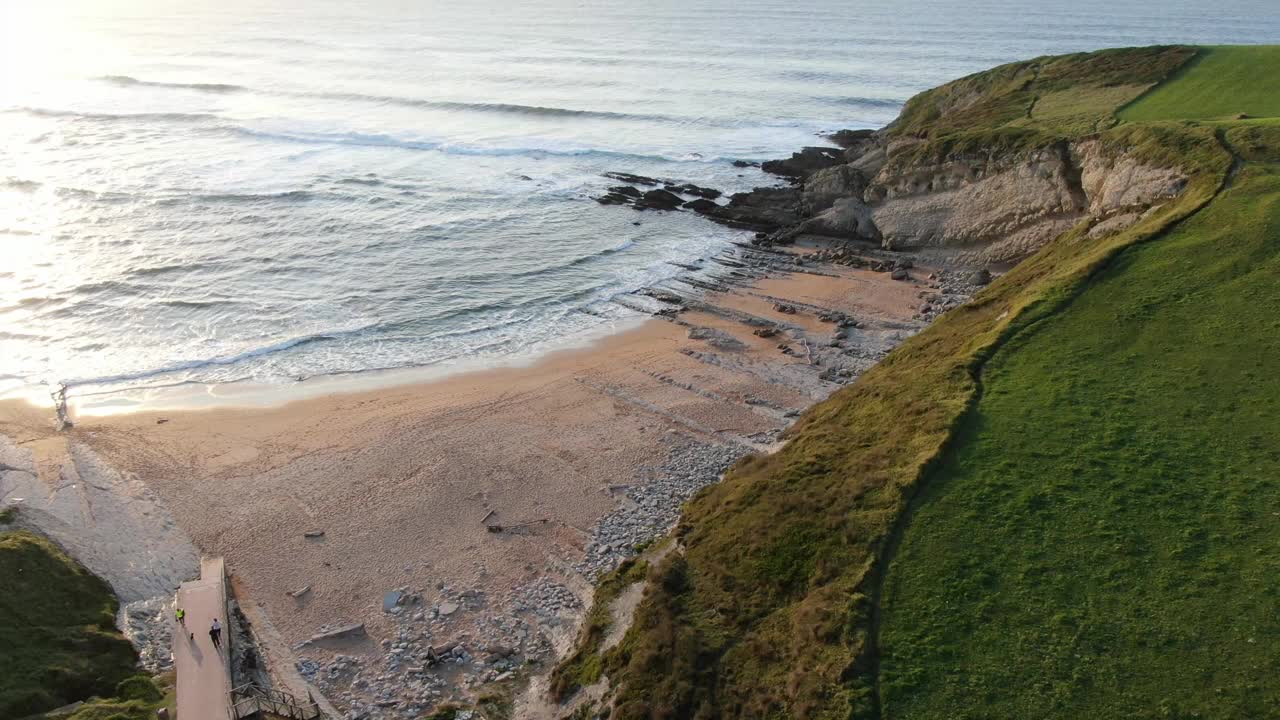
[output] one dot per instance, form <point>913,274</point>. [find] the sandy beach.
<point>397,485</point>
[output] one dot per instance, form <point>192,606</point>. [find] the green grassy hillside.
<point>58,641</point>
<point>1105,539</point>
<point>1221,82</point>
<point>1068,479</point>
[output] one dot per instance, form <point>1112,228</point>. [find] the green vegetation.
<point>1222,82</point>
<point>1070,487</point>
<point>58,641</point>
<point>137,698</point>
<point>1081,91</point>
<point>1104,539</point>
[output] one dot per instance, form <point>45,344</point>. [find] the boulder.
<point>847,218</point>
<point>614,198</point>
<point>980,277</point>
<point>701,205</point>
<point>626,190</point>
<point>659,200</point>
<point>899,274</point>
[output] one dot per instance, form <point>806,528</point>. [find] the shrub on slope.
<point>58,641</point>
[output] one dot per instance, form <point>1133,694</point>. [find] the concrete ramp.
<point>204,671</point>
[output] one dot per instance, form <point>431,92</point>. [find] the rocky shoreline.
<point>765,330</point>
<point>455,644</point>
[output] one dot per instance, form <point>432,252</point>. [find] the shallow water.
<point>219,192</point>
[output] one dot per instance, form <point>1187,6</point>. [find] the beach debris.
<point>507,528</point>
<point>161,421</point>
<point>313,533</point>
<point>342,631</point>
<point>487,515</point>
<point>300,591</point>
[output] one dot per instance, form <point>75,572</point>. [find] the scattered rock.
<point>447,608</point>
<point>980,277</point>
<point>899,274</point>
<point>300,591</point>
<point>313,533</point>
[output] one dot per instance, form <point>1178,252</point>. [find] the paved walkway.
<point>204,672</point>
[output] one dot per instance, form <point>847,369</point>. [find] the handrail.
<point>250,699</point>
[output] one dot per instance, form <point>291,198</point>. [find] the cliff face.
<point>990,207</point>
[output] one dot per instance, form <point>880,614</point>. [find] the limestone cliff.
<point>991,206</point>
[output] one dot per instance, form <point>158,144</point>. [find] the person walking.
<point>180,615</point>
<point>215,633</point>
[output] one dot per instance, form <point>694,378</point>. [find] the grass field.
<point>1221,82</point>
<point>1105,541</point>
<point>58,641</point>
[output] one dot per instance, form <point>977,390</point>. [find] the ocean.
<point>217,192</point>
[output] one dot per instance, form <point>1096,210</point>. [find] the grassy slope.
<point>768,613</point>
<point>58,641</point>
<point>1221,82</point>
<point>1103,538</point>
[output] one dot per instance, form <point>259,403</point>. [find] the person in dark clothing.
<point>215,633</point>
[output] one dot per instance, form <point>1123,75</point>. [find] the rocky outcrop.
<point>809,160</point>
<point>980,207</point>
<point>1004,206</point>
<point>824,187</point>
<point>1115,183</point>
<point>849,219</point>
<point>761,209</point>
<point>991,205</point>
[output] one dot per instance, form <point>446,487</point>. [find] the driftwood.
<point>487,516</point>
<point>505,528</point>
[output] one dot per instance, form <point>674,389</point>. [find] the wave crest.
<point>127,81</point>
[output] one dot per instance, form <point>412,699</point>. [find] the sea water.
<point>219,191</point>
